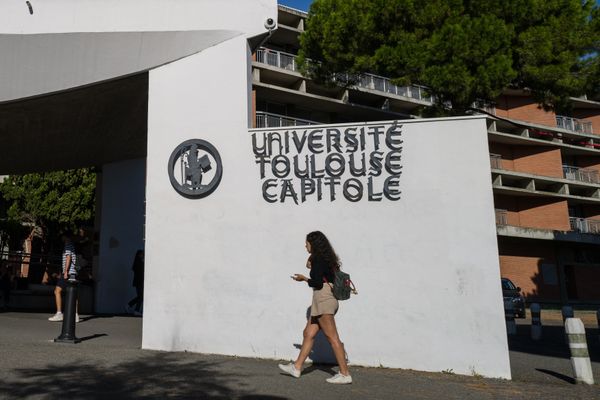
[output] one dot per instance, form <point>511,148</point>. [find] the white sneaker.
<point>56,317</point>
<point>290,369</point>
<point>76,318</point>
<point>340,379</point>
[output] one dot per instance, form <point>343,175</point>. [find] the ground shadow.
<point>91,317</point>
<point>552,343</point>
<point>556,375</point>
<point>157,376</point>
<point>94,336</point>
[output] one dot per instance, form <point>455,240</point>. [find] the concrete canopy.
<point>73,74</point>
<point>83,127</point>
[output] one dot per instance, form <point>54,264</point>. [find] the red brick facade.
<point>524,109</point>
<point>529,268</point>
<point>534,212</point>
<point>546,270</point>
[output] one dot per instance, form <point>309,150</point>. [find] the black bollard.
<point>68,326</point>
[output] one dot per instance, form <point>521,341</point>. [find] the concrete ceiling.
<point>83,127</point>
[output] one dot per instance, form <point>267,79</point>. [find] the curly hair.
<point>321,248</point>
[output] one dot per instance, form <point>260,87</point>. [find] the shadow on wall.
<point>545,279</point>
<point>321,353</point>
<point>157,376</point>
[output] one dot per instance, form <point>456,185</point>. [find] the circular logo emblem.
<point>195,168</point>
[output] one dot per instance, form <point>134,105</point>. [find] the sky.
<point>297,4</point>
<point>304,4</point>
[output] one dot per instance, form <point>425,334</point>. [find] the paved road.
<point>109,364</point>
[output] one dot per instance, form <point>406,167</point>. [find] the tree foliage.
<point>52,200</point>
<point>462,50</point>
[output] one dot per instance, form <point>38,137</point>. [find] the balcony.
<point>574,125</point>
<point>383,84</point>
<point>501,217</point>
<point>581,175</point>
<point>496,161</point>
<point>277,59</point>
<point>583,225</point>
<point>582,230</point>
<point>270,120</point>
<point>378,83</point>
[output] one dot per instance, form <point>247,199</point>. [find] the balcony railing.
<point>581,175</point>
<point>496,161</point>
<point>287,61</point>
<point>501,217</point>
<point>270,120</point>
<point>584,225</point>
<point>575,125</point>
<point>277,59</point>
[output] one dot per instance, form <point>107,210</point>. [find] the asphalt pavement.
<point>109,364</point>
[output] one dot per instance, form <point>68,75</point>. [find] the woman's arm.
<point>316,274</point>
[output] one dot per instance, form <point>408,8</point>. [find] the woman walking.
<point>322,263</point>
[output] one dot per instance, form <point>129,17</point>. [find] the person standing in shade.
<point>138,283</point>
<point>69,261</point>
<point>323,261</point>
<point>5,284</point>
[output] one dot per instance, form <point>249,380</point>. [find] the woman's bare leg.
<point>58,298</point>
<point>308,339</point>
<point>327,324</point>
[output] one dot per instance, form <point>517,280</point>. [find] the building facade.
<point>222,211</point>
<point>545,167</point>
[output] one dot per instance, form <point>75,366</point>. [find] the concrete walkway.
<point>109,364</point>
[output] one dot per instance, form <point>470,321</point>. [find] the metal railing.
<point>501,217</point>
<point>584,225</point>
<point>277,59</point>
<point>573,124</point>
<point>383,84</point>
<point>581,175</point>
<point>287,61</point>
<point>496,161</point>
<point>270,120</point>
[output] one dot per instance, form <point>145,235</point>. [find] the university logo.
<point>195,168</point>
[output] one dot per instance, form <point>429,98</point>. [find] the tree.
<point>53,201</point>
<point>462,50</point>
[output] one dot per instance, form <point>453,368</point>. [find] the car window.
<point>508,285</point>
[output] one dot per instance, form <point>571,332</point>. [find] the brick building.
<point>545,168</point>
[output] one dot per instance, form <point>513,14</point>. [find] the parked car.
<point>512,294</point>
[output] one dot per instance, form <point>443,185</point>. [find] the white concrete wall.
<point>217,269</point>
<point>121,233</point>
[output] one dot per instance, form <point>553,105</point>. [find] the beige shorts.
<point>323,302</point>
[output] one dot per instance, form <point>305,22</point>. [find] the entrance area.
<point>102,127</point>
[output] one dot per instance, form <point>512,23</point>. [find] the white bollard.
<point>580,358</point>
<point>509,315</point>
<point>536,321</point>
<point>567,312</point>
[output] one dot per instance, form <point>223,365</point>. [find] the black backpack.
<point>342,286</point>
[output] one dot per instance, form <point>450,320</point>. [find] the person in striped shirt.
<point>69,262</point>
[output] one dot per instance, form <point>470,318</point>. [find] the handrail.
<point>501,217</point>
<point>574,124</point>
<point>581,174</point>
<point>369,81</point>
<point>584,225</point>
<point>496,161</point>
<point>271,120</point>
